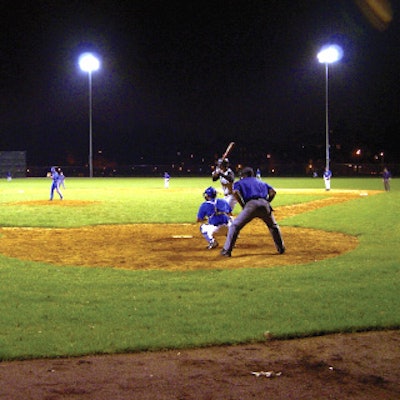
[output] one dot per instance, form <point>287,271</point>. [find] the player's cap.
<point>247,172</point>
<point>223,161</point>
<point>210,192</point>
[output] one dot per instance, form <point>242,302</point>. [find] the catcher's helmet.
<point>210,192</point>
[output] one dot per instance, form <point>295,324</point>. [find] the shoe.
<point>225,253</point>
<point>213,244</point>
<point>281,250</point>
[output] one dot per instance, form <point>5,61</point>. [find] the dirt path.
<point>361,366</point>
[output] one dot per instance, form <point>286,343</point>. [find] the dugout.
<point>13,162</point>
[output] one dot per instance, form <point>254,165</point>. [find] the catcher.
<point>217,212</point>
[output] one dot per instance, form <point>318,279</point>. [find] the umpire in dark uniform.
<point>254,196</point>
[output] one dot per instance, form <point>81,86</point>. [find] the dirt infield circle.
<point>175,246</point>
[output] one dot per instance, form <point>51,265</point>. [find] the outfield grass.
<point>48,311</point>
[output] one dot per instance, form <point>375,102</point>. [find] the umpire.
<point>254,196</point>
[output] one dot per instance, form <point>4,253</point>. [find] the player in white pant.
<point>226,176</point>
<point>327,178</point>
<point>217,212</point>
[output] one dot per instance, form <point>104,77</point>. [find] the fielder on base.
<point>226,176</point>
<point>327,175</point>
<point>217,212</point>
<point>386,177</point>
<point>166,179</point>
<point>255,197</point>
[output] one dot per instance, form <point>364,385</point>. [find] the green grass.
<point>48,311</point>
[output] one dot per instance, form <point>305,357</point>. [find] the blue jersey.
<point>56,177</point>
<point>252,188</point>
<point>327,174</point>
<point>217,211</point>
<point>386,175</point>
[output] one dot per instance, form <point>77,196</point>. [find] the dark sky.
<point>190,76</point>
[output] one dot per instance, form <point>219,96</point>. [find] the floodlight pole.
<point>90,126</point>
<point>327,116</point>
<point>328,54</point>
<point>89,63</point>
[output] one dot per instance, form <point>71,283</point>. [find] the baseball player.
<point>386,177</point>
<point>166,179</point>
<point>327,175</point>
<point>254,196</point>
<point>55,185</point>
<point>226,176</point>
<point>217,212</point>
<point>61,178</point>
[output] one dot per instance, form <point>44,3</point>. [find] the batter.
<point>226,176</point>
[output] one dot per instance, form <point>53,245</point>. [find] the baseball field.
<point>119,266</point>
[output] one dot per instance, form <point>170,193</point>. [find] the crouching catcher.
<point>216,213</point>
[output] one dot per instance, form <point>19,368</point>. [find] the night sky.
<point>183,78</point>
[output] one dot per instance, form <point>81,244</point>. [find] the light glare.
<point>88,62</point>
<point>330,54</point>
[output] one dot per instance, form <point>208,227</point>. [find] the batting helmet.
<point>223,161</point>
<point>210,192</point>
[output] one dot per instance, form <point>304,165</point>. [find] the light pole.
<point>89,63</point>
<point>328,54</point>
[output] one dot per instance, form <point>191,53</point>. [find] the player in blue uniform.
<point>217,212</point>
<point>255,197</point>
<point>386,177</point>
<point>55,185</point>
<point>327,175</point>
<point>226,176</point>
<point>166,179</point>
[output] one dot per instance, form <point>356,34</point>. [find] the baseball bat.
<point>228,150</point>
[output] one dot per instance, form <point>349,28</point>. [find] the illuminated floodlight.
<point>330,54</point>
<point>88,62</point>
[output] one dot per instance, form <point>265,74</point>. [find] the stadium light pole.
<point>328,55</point>
<point>89,63</point>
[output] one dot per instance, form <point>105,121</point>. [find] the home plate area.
<point>178,246</point>
<point>167,246</point>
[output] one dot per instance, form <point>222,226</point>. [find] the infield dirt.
<point>353,366</point>
<point>153,246</point>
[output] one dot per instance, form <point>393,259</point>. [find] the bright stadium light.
<point>89,63</point>
<point>328,55</point>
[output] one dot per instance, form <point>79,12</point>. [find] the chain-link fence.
<point>153,170</point>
